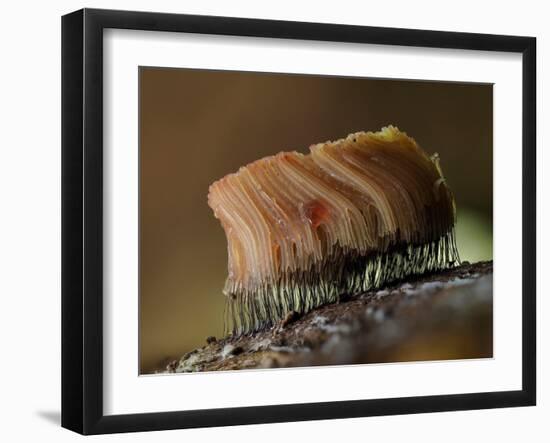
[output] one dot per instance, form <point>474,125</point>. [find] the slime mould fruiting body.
<point>352,215</point>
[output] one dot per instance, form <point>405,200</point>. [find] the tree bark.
<point>447,315</point>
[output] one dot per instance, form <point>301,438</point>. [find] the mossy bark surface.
<point>441,316</point>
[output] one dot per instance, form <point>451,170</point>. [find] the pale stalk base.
<point>342,274</point>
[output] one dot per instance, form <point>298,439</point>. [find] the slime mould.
<point>351,216</point>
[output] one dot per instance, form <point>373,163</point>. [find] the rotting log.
<point>446,315</point>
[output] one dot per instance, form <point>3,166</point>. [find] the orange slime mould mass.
<point>351,216</point>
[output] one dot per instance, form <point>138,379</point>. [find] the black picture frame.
<point>82,220</point>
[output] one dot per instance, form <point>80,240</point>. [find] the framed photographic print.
<point>269,221</point>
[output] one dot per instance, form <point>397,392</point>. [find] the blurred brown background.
<point>196,126</point>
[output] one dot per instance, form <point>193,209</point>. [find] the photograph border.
<point>82,220</point>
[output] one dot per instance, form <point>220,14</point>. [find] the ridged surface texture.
<point>350,216</point>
